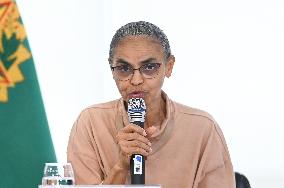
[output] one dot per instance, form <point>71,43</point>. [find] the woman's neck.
<point>155,114</point>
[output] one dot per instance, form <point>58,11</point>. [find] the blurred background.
<point>229,62</point>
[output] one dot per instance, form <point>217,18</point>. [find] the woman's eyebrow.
<point>122,61</point>
<point>149,60</point>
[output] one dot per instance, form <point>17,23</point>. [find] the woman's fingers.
<point>132,136</point>
<point>130,128</point>
<point>150,131</point>
<point>132,140</point>
<point>136,144</point>
<point>132,132</point>
<point>134,150</point>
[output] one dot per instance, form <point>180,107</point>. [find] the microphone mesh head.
<point>136,110</point>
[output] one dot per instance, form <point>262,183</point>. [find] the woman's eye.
<point>124,68</point>
<point>149,67</point>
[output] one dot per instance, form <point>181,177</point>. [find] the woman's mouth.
<point>137,94</point>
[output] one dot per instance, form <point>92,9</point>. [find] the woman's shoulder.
<point>100,109</point>
<point>104,105</point>
<point>192,112</point>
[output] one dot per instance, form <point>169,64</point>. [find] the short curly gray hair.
<point>140,28</point>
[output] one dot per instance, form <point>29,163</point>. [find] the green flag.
<point>25,141</point>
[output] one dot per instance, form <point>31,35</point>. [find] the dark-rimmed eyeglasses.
<point>125,72</point>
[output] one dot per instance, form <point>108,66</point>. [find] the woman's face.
<point>136,51</point>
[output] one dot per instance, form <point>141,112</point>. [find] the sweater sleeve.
<point>82,152</point>
<point>216,167</point>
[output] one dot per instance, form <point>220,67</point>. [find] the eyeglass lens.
<point>123,72</point>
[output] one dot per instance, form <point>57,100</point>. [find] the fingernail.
<point>151,150</point>
<point>144,133</point>
<point>149,143</point>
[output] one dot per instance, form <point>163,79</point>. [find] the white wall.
<point>229,57</point>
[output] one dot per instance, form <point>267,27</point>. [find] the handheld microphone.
<point>136,114</point>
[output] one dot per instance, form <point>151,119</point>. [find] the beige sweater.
<point>189,151</point>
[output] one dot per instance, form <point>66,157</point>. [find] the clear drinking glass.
<point>58,174</point>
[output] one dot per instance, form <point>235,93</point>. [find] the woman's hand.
<point>132,140</point>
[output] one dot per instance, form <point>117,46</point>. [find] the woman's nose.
<point>137,77</point>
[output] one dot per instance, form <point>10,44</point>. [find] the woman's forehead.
<point>138,39</point>
<point>138,44</point>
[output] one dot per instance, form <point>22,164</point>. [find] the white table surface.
<point>98,186</point>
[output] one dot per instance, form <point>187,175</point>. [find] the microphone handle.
<point>137,171</point>
<point>137,164</point>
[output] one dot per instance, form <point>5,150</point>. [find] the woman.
<point>184,147</point>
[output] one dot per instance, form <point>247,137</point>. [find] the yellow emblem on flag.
<point>11,30</point>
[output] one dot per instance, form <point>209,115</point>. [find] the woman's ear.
<point>170,65</point>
